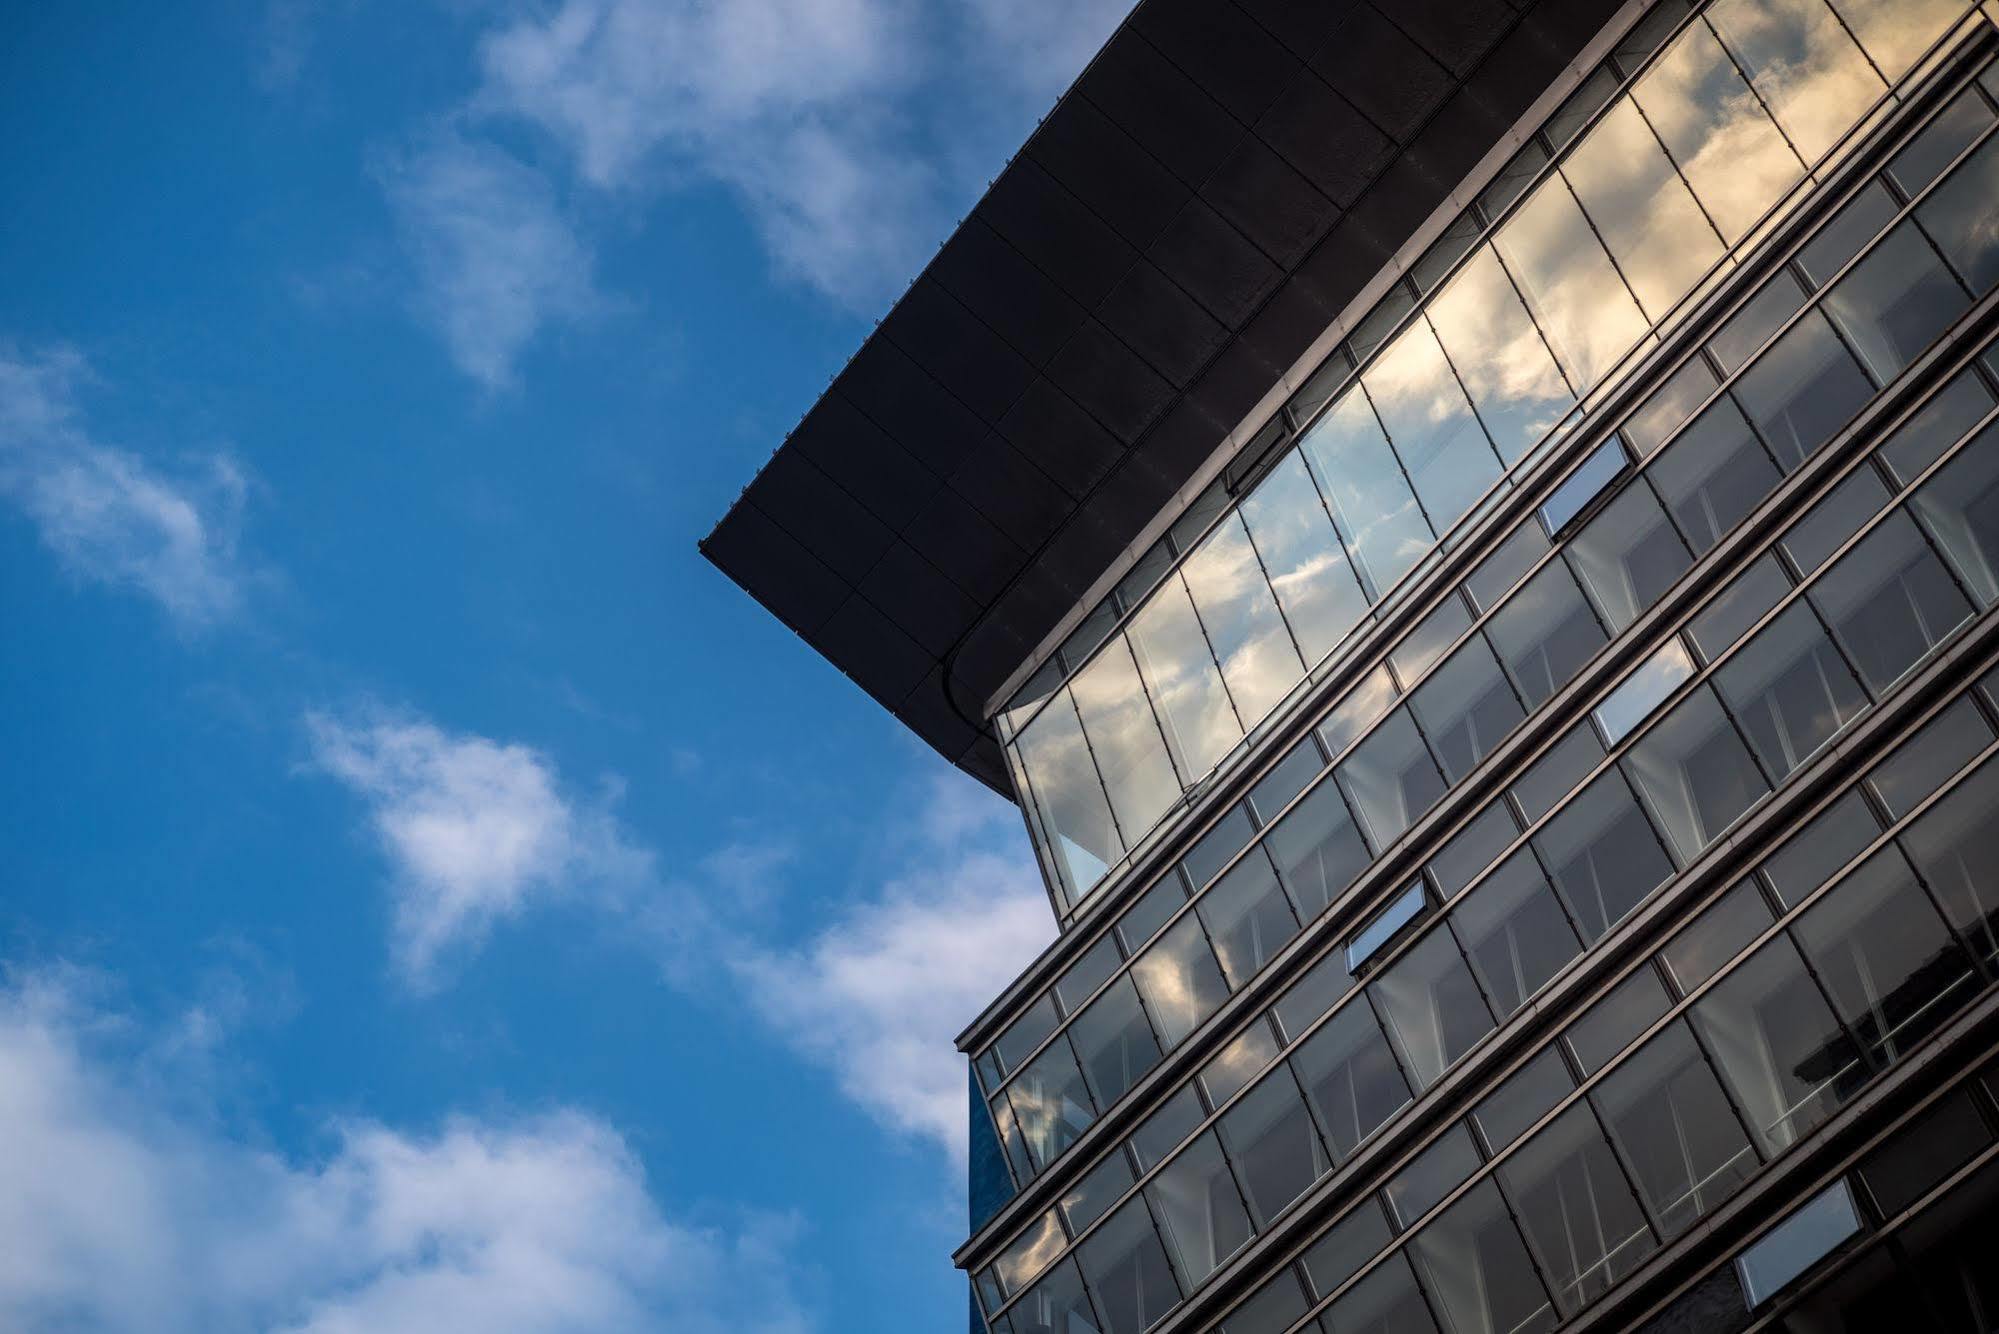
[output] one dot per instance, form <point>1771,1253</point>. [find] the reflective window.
<point>1675,1129</point>
<point>1201,1217</point>
<point>1715,473</point>
<point>1921,764</point>
<point>1808,1235</point>
<point>1582,486</point>
<point>1777,1045</point>
<point>1889,601</point>
<point>1124,739</point>
<point>1317,849</point>
<point>1057,1306</point>
<point>1514,932</point>
<point>1385,1302</point>
<point>1465,708</point>
<point>1642,209</point>
<point>1258,659</point>
<point>1030,1253</point>
<point>1075,816</point>
<point>1800,59</point>
<point>1836,517</point>
<point>1385,926</point>
<point>1803,390</point>
<point>1024,1034</point>
<point>1166,1128</point>
<point>1230,1070</point>
<point>1154,907</point>
<point>1180,981</point>
<point>1230,835</point>
<point>1712,940</point>
<point>1274,1308</point>
<point>1556,773</point>
<point>1095,1191</point>
<point>1833,838</point>
<point>1391,779</point>
<point>1312,994</point>
<point>1431,1006</point>
<point>1857,222</point>
<point>1115,1042</point>
<point>1270,1137</point>
<point>1642,690</point>
<point>1893,972</point>
<point>1960,508</point>
<point>1695,773</point>
<point>1948,134</point>
<point>1439,1169</point>
<point>1431,425</point>
<point>1248,917</point>
<point>1051,1105</point>
<point>1478,1269</point>
<point>1727,617</point>
<point>1955,844</point>
<point>1366,701</point>
<point>1090,971</point>
<point>1628,555</point>
<point>1308,568</point>
<point>1613,1020</point>
<point>1370,499</point>
<point>1472,849</point>
<point>1291,775</point>
<point>1790,689</point>
<point>1897,32</point>
<point>1350,1077</point>
<point>1957,215</point>
<point>1502,568</point>
<point>1576,297</point>
<point>1425,644</point>
<point>1126,1270</point>
<point>1528,1094</point>
<point>1575,1208</point>
<point>1670,406</point>
<point>1499,355</point>
<point>1739,337</point>
<point>1347,1246</point>
<point>1936,426</point>
<point>1602,855</point>
<point>1919,1156</point>
<point>1894,302</point>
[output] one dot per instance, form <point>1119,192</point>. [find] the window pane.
<point>1576,1208</point>
<point>1386,925</point>
<point>1126,1270</point>
<point>1604,465</point>
<point>1166,1128</point>
<point>1545,633</point>
<point>1088,973</point>
<point>1956,847</point>
<point>1057,1306</point>
<point>1811,1233</point>
<point>1429,640</point>
<point>1431,1007</point>
<point>1370,498</point>
<point>1230,835</point>
<point>1642,209</point>
<point>1642,690</point>
<point>1800,59</point>
<point>1603,856</point>
<point>1259,661</point>
<point>1180,981</point>
<point>1628,555</point>
<point>1431,1175</point>
<point>1830,841</point>
<point>1075,815</point>
<point>1472,849</point>
<point>1667,1115</point>
<point>1024,1034</point>
<point>1669,406</point>
<point>1939,424</point>
<point>1292,775</point>
<point>1895,302</point>
<point>1921,764</point>
<point>1274,1308</point>
<point>1307,566</point>
<point>1231,1069</point>
<point>1749,328</point>
<point>1125,740</point>
<point>1114,1041</point>
<point>1528,1094</point>
<point>1803,390</point>
<point>1347,1246</point>
<point>1695,773</point>
<point>1173,656</point>
<point>1711,942</point>
<point>1312,994</point>
<point>1576,297</point>
<point>1858,221</point>
<point>1030,1253</point>
<point>1466,708</point>
<point>1479,1271</point>
<point>1350,1077</point>
<point>1085,1202</point>
<point>1317,849</point>
<point>1960,507</point>
<point>1958,217</point>
<point>1889,602</point>
<point>1743,603</point>
<point>1881,951</point>
<point>1430,424</point>
<point>1613,1020</point>
<point>1514,932</point>
<point>1953,130</point>
<point>1050,1103</point>
<point>1717,131</point>
<point>1154,907</point>
<point>1790,689</point>
<point>1833,519</point>
<point>1556,773</point>
<point>1385,1302</point>
<point>1896,32</point>
<point>1270,1138</point>
<point>1248,917</point>
<point>1391,779</point>
<point>1777,1045</point>
<point>1919,1156</point>
<point>1715,473</point>
<point>1201,1217</point>
<point>1499,355</point>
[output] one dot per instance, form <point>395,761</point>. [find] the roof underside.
<point>1214,191</point>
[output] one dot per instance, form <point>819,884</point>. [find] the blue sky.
<point>431,897</point>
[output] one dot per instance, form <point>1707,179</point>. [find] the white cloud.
<point>474,829</point>
<point>106,513</point>
<point>123,1212</point>
<point>496,258</point>
<point>879,995</point>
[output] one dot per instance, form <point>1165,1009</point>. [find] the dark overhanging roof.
<point>1216,188</point>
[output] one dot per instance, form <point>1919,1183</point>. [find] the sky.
<point>430,895</point>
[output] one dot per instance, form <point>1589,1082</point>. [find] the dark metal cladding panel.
<point>1223,180</point>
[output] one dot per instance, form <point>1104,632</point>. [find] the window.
<point>1833,838</point>
<point>1894,302</point>
<point>1777,1045</point>
<point>1372,505</point>
<point>1556,773</point>
<point>1675,1129</point>
<point>1803,390</point>
<point>1090,971</point>
<point>1791,690</point>
<point>1075,816</point>
<point>1030,1253</point>
<point>1544,634</point>
<point>1290,776</point>
<point>1774,43</point>
<point>1499,354</point>
<point>1308,570</point>
<point>1811,1233</point>
<point>1231,1069</point>
<point>1124,739</point>
<point>1472,849</point>
<point>1200,1214</point>
<point>1612,1021</point>
<point>1669,407</point>
<point>1745,332</point>
<point>1642,690</point>
<point>1628,555</point>
<point>1603,856</point>
<point>1312,994</point>
<point>1583,485</point>
<point>1051,1104</point>
<point>1936,426</point>
<point>1126,1271</point>
<point>1162,1132</point>
<point>1350,1077</point>
<point>1231,834</point>
<point>1431,1006</point>
<point>1858,221</point>
<point>1921,1155</point>
<point>1712,940</point>
<point>1715,473</point>
<point>1385,926</point>
<point>1024,1034</point>
<point>1960,507</point>
<point>1958,214</point>
<point>1695,773</point>
<point>1258,659</point>
<point>1883,955</point>
<point>1567,280</point>
<point>1057,1306</point>
<point>1528,1094</point>
<point>1889,602</point>
<point>1955,844</point>
<point>1922,764</point>
<point>1727,617</point>
<point>1270,1137</point>
<point>1431,425</point>
<point>1115,1042</point>
<point>1439,1169</point>
<point>1501,570</point>
<point>1465,708</point>
<point>1385,1302</point>
<point>1838,516</point>
<point>1661,240</point>
<point>1200,723</point>
<point>1428,641</point>
<point>1154,907</point>
<point>1248,917</point>
<point>1391,779</point>
<point>1514,932</point>
<point>1274,1307</point>
<point>1478,1269</point>
<point>1317,849</point>
<point>1096,1191</point>
<point>1576,1208</point>
<point>1180,981</point>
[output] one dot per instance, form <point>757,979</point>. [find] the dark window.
<point>1922,1154</point>
<point>1514,932</point>
<point>1695,773</point>
<point>1889,602</point>
<point>1200,1214</point>
<point>1115,1042</point>
<point>1472,849</point>
<point>1835,518</point>
<point>1385,1302</point>
<point>1958,217</point>
<point>1803,390</point>
<point>1126,1270</point>
<point>1270,1137</point>
<point>1391,779</point>
<point>1894,302</point>
<point>1722,931</point>
<point>1312,994</point>
<point>1350,1077</point>
<point>1029,1253</point>
<point>1749,328</point>
<point>1317,849</point>
<point>1465,708</point>
<point>1162,1132</point>
<point>1024,1034</point>
<point>1272,1309</point>
<point>1727,617</point>
<point>1791,690</point>
<point>1670,405</point>
<point>1500,571</point>
<point>1628,555</point>
<point>1346,1247</point>
<point>1089,972</point>
<point>1528,1094</point>
<point>1668,1118</point>
<point>1431,1006</point>
<point>1292,775</point>
<point>1715,473</point>
<point>1956,847</point>
<point>1479,1271</point>
<point>1857,223</point>
<point>1545,633</point>
<point>1609,1025</point>
<point>1230,835</point>
<point>1953,130</point>
<point>1576,1208</point>
<point>1248,917</point>
<point>1057,1306</point>
<point>1960,507</point>
<point>1833,838</point>
<point>1432,1174</point>
<point>1084,1203</point>
<point>1921,765</point>
<point>1245,1057</point>
<point>1556,773</point>
<point>1415,651</point>
<point>1940,423</point>
<point>1602,855</point>
<point>1147,915</point>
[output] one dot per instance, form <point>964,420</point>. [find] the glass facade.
<point>1541,934</point>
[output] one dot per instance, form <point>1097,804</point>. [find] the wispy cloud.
<point>109,515</point>
<point>475,830</point>
<point>124,1211</point>
<point>496,258</point>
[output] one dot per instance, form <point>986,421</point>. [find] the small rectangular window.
<point>1818,1228</point>
<point>1096,1190</point>
<point>1292,775</point>
<point>1583,485</point>
<point>1387,924</point>
<point>1859,221</point>
<point>1312,995</point>
<point>1671,404</point>
<point>1020,1038</point>
<point>1939,424</point>
<point>1367,700</point>
<point>1426,643</point>
<point>1163,1131</point>
<point>1644,689</point>
<point>1762,315</point>
<point>1091,970</point>
<point>1146,916</point>
<point>1472,849</point>
<point>1230,835</point>
<point>1271,1309</point>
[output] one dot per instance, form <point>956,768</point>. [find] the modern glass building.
<point>1470,530</point>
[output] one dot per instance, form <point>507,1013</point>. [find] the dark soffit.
<point>1213,191</point>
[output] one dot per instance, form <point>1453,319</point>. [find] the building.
<point>1470,531</point>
